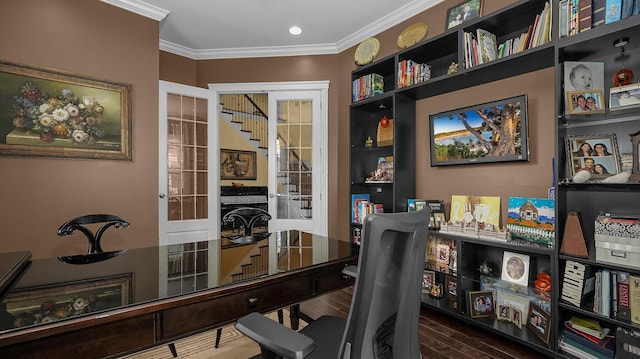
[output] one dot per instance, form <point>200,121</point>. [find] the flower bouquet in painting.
<point>61,115</point>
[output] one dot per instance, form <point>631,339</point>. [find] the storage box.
<point>627,344</point>
<point>617,240</point>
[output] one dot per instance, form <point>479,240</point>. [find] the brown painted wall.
<point>37,195</point>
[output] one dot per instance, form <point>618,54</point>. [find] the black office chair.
<point>95,252</point>
<point>385,309</point>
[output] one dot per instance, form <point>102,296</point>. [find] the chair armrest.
<point>274,336</point>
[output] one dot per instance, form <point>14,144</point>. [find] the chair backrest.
<point>110,220</point>
<point>385,309</point>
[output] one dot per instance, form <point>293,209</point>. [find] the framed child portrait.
<point>584,78</point>
<point>596,154</point>
<point>428,279</point>
<point>623,96</point>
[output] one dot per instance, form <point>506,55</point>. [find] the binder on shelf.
<point>606,348</point>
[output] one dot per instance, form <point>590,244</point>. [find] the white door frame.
<point>321,187</point>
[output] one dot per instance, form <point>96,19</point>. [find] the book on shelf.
<point>356,198</point>
<point>612,11</point>
<point>605,350</point>
<point>624,312</point>
<point>367,86</point>
<point>597,12</point>
<point>437,216</point>
<point>634,298</point>
<point>588,326</point>
<point>574,350</point>
<point>628,8</point>
<point>415,204</point>
<point>585,12</point>
<point>487,47</point>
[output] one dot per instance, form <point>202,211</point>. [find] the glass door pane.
<point>295,162</point>
<point>187,148</point>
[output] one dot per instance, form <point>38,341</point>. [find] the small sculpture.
<point>453,68</point>
<point>369,142</point>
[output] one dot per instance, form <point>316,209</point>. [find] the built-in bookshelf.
<point>529,35</point>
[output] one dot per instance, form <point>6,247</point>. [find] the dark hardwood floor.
<point>441,336</point>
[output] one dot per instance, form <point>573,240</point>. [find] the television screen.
<point>490,132</point>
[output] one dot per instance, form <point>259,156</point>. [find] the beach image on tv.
<point>489,132</point>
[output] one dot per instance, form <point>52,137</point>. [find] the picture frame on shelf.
<point>539,321</point>
<point>436,290</point>
<point>452,286</point>
<point>428,280</point>
<point>585,102</point>
<point>516,317</point>
<point>504,312</point>
<point>464,11</point>
<point>481,304</point>
<point>515,268</point>
<point>50,113</point>
<point>600,165</point>
<point>583,75</point>
<point>624,96</point>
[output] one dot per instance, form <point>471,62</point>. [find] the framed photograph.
<point>516,316</point>
<point>436,290</point>
<point>452,286</point>
<point>539,321</point>
<point>583,76</point>
<point>597,154</point>
<point>591,101</point>
<point>504,312</point>
<point>623,96</point>
<point>428,279</point>
<point>515,268</point>
<point>481,304</point>
<point>489,132</point>
<point>237,165</point>
<point>49,113</point>
<point>462,12</point>
<point>65,300</point>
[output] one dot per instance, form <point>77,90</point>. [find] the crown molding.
<point>392,19</point>
<point>140,8</point>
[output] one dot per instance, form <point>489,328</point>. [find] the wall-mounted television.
<point>489,132</point>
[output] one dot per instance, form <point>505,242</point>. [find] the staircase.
<point>247,113</point>
<point>258,265</point>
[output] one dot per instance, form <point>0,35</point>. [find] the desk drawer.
<point>227,308</point>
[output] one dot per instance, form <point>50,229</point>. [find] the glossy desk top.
<point>51,290</point>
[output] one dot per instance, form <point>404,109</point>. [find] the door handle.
<point>162,195</point>
<point>271,195</point>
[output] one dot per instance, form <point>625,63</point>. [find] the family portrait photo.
<point>463,12</point>
<point>596,154</point>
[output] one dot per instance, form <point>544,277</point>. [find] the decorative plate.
<point>411,35</point>
<point>367,51</point>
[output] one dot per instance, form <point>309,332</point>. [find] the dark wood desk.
<point>154,317</point>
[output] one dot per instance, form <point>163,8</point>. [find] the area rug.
<point>233,345</point>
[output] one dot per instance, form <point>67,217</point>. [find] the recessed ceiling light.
<point>295,30</point>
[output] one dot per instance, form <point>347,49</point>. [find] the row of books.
<point>361,205</point>
<point>367,86</point>
<point>481,47</point>
<point>411,73</point>
<point>580,15</point>
<point>616,294</point>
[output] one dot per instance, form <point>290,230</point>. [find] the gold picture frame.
<point>50,113</point>
<point>481,304</point>
<point>539,322</point>
<point>37,305</point>
<point>237,165</point>
<point>593,102</point>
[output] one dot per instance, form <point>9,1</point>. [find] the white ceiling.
<point>214,29</point>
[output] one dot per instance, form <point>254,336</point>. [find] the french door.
<point>297,153</point>
<point>188,170</point>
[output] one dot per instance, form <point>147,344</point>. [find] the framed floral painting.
<point>48,113</point>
